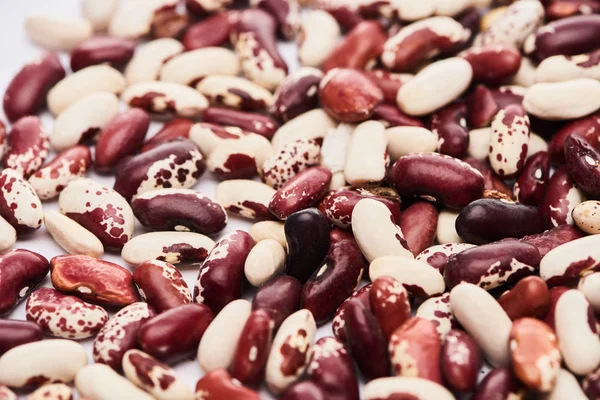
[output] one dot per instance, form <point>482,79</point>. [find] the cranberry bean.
<point>252,351</point>
<point>293,158</point>
<point>218,384</point>
<point>175,333</point>
<point>530,186</point>
<point>172,247</point>
<point>165,98</point>
<point>14,333</point>
<point>161,285</point>
<point>119,334</point>
<point>582,161</point>
<point>528,298</point>
<point>340,204</point>
<point>448,180</point>
<point>148,60</point>
<point>563,68</point>
<point>313,124</point>
<point>501,383</point>
<point>571,99</point>
<point>22,270</point>
<point>493,64</point>
<point>317,37</point>
<point>251,122</point>
<point>218,345</point>
<point>102,49</point>
<point>208,137</point>
<point>212,31</point>
<point>437,310</point>
<point>562,196</point>
<point>27,90</point>
<point>450,126</point>
<point>64,316</point>
<point>246,198</point>
<point>405,387</point>
<point>235,92</point>
<point>300,192</point>
<point>240,158</point>
<point>566,263</point>
<point>264,261</point>
<point>339,319</point>
<point>567,386</point>
<point>98,381</point>
<point>98,209</point>
<point>418,278</point>
<point>509,141</point>
<point>359,48</point>
<point>461,361</point>
<point>286,14</point>
<point>437,256</point>
<point>27,146</point>
<point>220,278</point>
<point>586,217</point>
<point>120,138</point>
<point>419,225</point>
<point>134,20</point>
<point>173,129</point>
<point>586,127</point>
<point>57,33</point>
<point>482,107</point>
<point>53,391</point>
<point>279,297</point>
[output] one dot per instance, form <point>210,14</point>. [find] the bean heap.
<point>445,151</point>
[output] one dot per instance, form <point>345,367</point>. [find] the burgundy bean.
<point>305,390</point>
<point>390,116</point>
<point>26,92</point>
<point>450,125</point>
<point>553,238</point>
<point>218,384</point>
<point>419,226</point>
<point>285,13</point>
<point>492,265</point>
<point>27,146</point>
<point>120,138</point>
<point>489,220</point>
<point>555,294</point>
<point>586,127</point>
<point>583,162</point>
<point>161,285</point>
<point>334,281</point>
<point>307,235</point>
<point>562,196</point>
<point>175,333</point>
<point>461,361</point>
<point>470,19</point>
<point>280,297</point>
<point>498,384</point>
<point>366,342</point>
<point>448,180</point>
<point>21,271</point>
<point>360,47</point>
<point>482,107</point>
<point>115,51</point>
<point>252,351</point>
<point>339,320</point>
<point>339,205</point>
<point>14,333</point>
<point>2,139</point>
<point>591,382</point>
<point>491,180</point>
<point>437,256</point>
<point>388,82</point>
<point>251,122</point>
<point>212,31</point>
<point>530,186</point>
<point>558,9</point>
<point>297,94</point>
<point>529,298</point>
<point>389,302</point>
<point>493,64</point>
<point>344,14</point>
<point>173,129</point>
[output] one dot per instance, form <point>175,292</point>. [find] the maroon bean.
<point>305,390</point>
<point>492,265</point>
<point>285,13</point>
<point>389,303</point>
<point>2,139</point>
<point>586,127</point>
<point>470,19</point>
<point>553,238</point>
<point>482,107</point>
<point>302,191</point>
<point>21,271</point>
<point>362,45</point>
<point>175,333</point>
<point>390,116</point>
<point>161,285</point>
<point>492,182</point>
<point>93,280</point>
<point>334,281</point>
<point>280,297</point>
<point>338,205</point>
<point>591,382</point>
<point>445,179</point>
<point>102,49</point>
<point>450,125</point>
<point>297,94</point>
<point>561,197</point>
<point>14,333</point>
<point>173,129</point>
<point>307,235</point>
<point>419,225</point>
<point>220,278</point>
<point>344,14</point>
<point>251,122</point>
<point>529,298</point>
<point>27,146</point>
<point>498,384</point>
<point>555,294</point>
<point>388,82</point>
<point>489,220</point>
<point>492,64</point>
<point>461,361</point>
<point>26,92</point>
<point>252,351</point>
<point>339,235</point>
<point>339,320</point>
<point>558,9</point>
<point>120,138</point>
<point>218,384</point>
<point>507,95</point>
<point>530,187</point>
<point>366,341</point>
<point>582,161</point>
<point>212,31</point>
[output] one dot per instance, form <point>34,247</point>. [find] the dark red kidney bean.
<point>530,186</point>
<point>27,146</point>
<point>470,19</point>
<point>390,305</point>
<point>334,281</point>
<point>220,278</point>
<point>499,384</point>
<point>450,125</point>
<point>302,191</point>
<point>339,235</point>
<point>280,297</point>
<point>362,45</point>
<point>173,129</point>
<point>332,370</point>
<point>419,224</point>
<point>582,161</point>
<point>115,51</point>
<point>251,122</point>
<point>20,271</point>
<point>461,361</point>
<point>212,31</point>
<point>285,13</point>
<point>366,342</point>
<point>445,179</point>
<point>161,285</point>
<point>297,94</point>
<point>179,210</point>
<point>493,64</point>
<point>557,204</point>
<point>339,204</point>
<point>390,116</point>
<point>553,238</point>
<point>26,92</point>
<point>175,333</point>
<point>218,384</point>
<point>492,265</point>
<point>559,9</point>
<point>344,14</point>
<point>252,351</point>
<point>529,298</point>
<point>14,333</point>
<point>388,82</point>
<point>568,36</point>
<point>339,320</point>
<point>482,107</point>
<point>178,161</point>
<point>120,138</point>
<point>591,382</point>
<point>491,181</point>
<point>305,390</point>
<point>307,235</point>
<point>586,127</point>
<point>555,294</point>
<point>489,220</point>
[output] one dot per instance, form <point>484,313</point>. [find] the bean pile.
<point>445,151</point>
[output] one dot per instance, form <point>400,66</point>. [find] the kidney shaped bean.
<point>562,196</point>
<point>530,186</point>
<point>586,127</point>
<point>21,271</point>
<point>461,361</point>
<point>218,384</point>
<point>530,297</point>
<point>493,64</point>
<point>499,382</point>
<point>173,129</point>
<point>360,47</point>
<point>251,122</point>
<point>340,204</point>
<point>161,285</point>
<point>27,146</point>
<point>297,94</point>
<point>279,297</point>
<point>102,49</point>
<point>14,333</point>
<point>389,302</point>
<point>583,164</point>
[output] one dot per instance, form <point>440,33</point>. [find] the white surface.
<point>16,51</point>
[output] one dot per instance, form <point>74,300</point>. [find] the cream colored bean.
<point>563,68</point>
<point>419,278</point>
<point>526,75</point>
<point>52,391</point>
<point>446,230</point>
<point>249,199</point>
<point>166,97</point>
<point>319,34</point>
<point>149,59</point>
<point>225,90</point>
<point>563,100</point>
<point>57,33</point>
<point>558,261</point>
<point>587,216</point>
<point>100,382</point>
<point>404,140</point>
<point>589,285</point>
<point>567,387</point>
<point>8,235</point>
<point>71,236</point>
<point>99,13</point>
<point>367,159</point>
<point>190,67</point>
<point>536,144</point>
<point>265,260</point>
<point>479,143</point>
<point>151,246</point>
<point>313,124</point>
<point>133,18</point>
<point>271,230</point>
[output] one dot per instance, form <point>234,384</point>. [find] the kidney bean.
<point>272,230</point>
<point>419,225</point>
<point>286,14</point>
<point>102,49</point>
<point>148,60</point>
<point>566,263</point>
<point>22,270</point>
<point>333,153</point>
<point>119,334</point>
<point>297,94</point>
<point>317,37</point>
<point>530,186</point>
<point>571,99</point>
<point>64,316</point>
<point>482,107</point>
<point>499,382</point>
<point>173,129</point>
<point>253,348</point>
<point>450,126</point>
<point>493,64</point>
<point>246,198</point>
<point>509,141</point>
<point>264,261</point>
<point>34,364</point>
<point>279,297</point>
<point>27,90</point>
<point>530,297</point>
<point>313,124</point>
<point>175,333</point>
<point>389,83</point>
<point>582,164</point>
<point>161,285</point>
<point>251,122</point>
<point>53,391</point>
<point>563,68</point>
<point>588,285</point>
<point>120,138</point>
<point>190,67</point>
<point>172,247</point>
<point>303,390</point>
<point>27,146</point>
<point>367,158</point>
<point>437,256</point>
<point>168,98</point>
<point>292,159</point>
<point>437,310</point>
<point>460,361</point>
<point>155,377</point>
<point>218,384</point>
<point>300,192</point>
<point>418,278</point>
<point>235,92</point>
<point>212,31</point>
<point>390,116</point>
<point>14,333</point>
<point>567,386</point>
<point>359,48</point>
<point>586,127</point>
<point>339,320</point>
<point>98,381</point>
<point>340,204</point>
<point>218,345</point>
<point>562,196</point>
<point>407,387</point>
<point>220,278</point>
<point>209,137</point>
